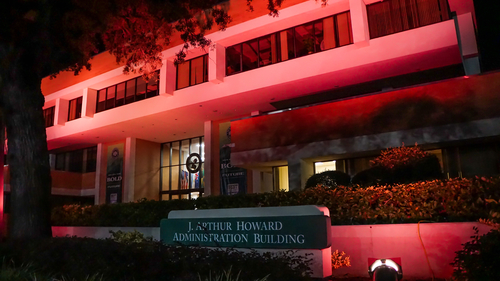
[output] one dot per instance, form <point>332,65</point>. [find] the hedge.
<point>436,200</point>
<point>77,258</point>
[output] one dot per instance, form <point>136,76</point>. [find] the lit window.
<point>320,167</point>
<point>177,181</point>
<point>280,178</point>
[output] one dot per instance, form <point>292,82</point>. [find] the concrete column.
<point>299,170</point>
<point>129,170</point>
<point>168,75</point>
<point>61,112</point>
<point>162,78</point>
<point>208,158</point>
<point>98,166</point>
<point>89,103</point>
<point>217,63</point>
<point>359,22</point>
<point>466,36</point>
<point>256,181</point>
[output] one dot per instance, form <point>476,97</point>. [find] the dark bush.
<point>426,168</point>
<point>371,176</point>
<point>479,259</point>
<point>80,257</point>
<point>329,178</point>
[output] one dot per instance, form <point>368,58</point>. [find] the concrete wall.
<point>361,242</point>
<point>441,241</point>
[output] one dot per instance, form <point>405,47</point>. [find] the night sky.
<point>488,25</point>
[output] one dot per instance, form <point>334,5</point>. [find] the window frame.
<point>295,51</point>
<point>51,113</point>
<point>127,98</point>
<point>168,154</point>
<point>78,111</point>
<point>190,83</point>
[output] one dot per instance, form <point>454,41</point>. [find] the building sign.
<point>284,232</point>
<point>233,180</point>
<point>114,174</point>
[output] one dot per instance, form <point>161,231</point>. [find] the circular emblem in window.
<point>193,163</point>
<point>115,152</point>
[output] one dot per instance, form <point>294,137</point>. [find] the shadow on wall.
<point>416,112</point>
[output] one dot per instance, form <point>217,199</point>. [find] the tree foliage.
<point>42,38</point>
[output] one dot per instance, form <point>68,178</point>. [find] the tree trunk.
<point>30,181</point>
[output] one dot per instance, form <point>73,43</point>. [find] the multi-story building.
<point>277,99</point>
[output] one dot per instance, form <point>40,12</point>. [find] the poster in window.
<point>233,180</point>
<point>114,174</point>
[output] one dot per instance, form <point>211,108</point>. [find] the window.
<point>77,161</point>
<point>127,92</point>
<point>393,16</point>
<point>192,72</point>
<point>48,114</point>
<point>320,167</point>
<point>75,109</point>
<point>91,160</point>
<point>176,180</point>
<point>280,178</point>
<point>331,32</point>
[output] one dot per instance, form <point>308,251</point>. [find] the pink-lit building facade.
<point>275,100</point>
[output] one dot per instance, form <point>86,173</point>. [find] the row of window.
<point>130,91</point>
<point>391,16</point>
<point>324,34</point>
<point>78,161</point>
<point>384,18</point>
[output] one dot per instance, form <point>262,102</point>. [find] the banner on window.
<point>114,174</point>
<point>233,180</point>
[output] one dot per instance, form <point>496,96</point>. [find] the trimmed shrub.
<point>76,258</point>
<point>437,200</point>
<point>400,165</point>
<point>329,178</point>
<point>479,258</point>
<point>372,176</point>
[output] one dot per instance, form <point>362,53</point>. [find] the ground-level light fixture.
<point>385,270</point>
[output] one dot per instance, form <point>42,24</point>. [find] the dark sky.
<point>488,25</point>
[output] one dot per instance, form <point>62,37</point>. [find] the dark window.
<point>250,56</point>
<point>120,94</point>
<point>75,109</point>
<point>192,72</point>
<point>393,16</point>
<point>91,159</point>
<point>75,161</point>
<point>127,92</point>
<point>61,161</point>
<point>331,32</point>
<point>48,114</point>
<point>101,100</point>
<point>78,161</point>
<point>152,89</point>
